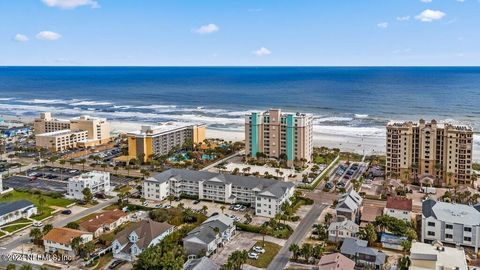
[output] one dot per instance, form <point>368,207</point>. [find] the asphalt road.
<point>283,256</point>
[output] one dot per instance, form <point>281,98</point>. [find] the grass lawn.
<point>34,198</point>
<point>271,250</point>
<point>2,234</point>
<point>104,260</point>
<point>15,227</point>
<point>123,189</point>
<point>22,220</point>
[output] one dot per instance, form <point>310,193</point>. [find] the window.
<point>467,239</point>
<point>467,229</point>
<point>449,226</point>
<point>431,224</point>
<point>431,233</point>
<point>448,236</point>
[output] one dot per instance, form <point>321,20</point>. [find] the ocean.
<point>348,102</point>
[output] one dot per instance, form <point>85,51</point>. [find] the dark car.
<point>114,264</point>
<point>196,202</point>
<point>66,212</point>
<point>214,214</point>
<point>328,185</point>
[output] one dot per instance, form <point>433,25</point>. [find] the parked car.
<point>258,249</point>
<point>144,203</point>
<point>237,207</point>
<point>66,212</point>
<point>159,206</point>
<point>37,224</point>
<point>243,208</point>
<point>253,255</point>
<point>196,202</point>
<point>329,185</point>
<point>115,264</point>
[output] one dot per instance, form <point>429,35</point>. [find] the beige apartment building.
<point>440,153</point>
<point>161,139</point>
<point>275,133</point>
<point>61,140</point>
<point>98,129</point>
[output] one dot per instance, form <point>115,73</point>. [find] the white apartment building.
<point>265,195</point>
<point>456,224</point>
<point>436,256</point>
<point>97,182</point>
<point>11,211</point>
<point>61,140</point>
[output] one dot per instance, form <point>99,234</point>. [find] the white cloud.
<point>48,35</point>
<point>403,18</point>
<point>429,15</point>
<point>382,25</point>
<point>262,52</point>
<point>20,38</point>
<point>426,1</point>
<point>207,29</point>
<point>71,4</point>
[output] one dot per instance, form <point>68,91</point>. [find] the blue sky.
<point>239,33</point>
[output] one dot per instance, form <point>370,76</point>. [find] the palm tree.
<point>170,198</point>
<point>41,203</point>
<point>76,243</point>
<point>11,266</point>
<point>35,234</point>
<point>26,267</point>
<point>328,218</point>
<point>222,208</point>
<point>295,249</point>
<point>83,161</point>
<point>438,167</point>
<point>204,209</point>
<point>306,251</point>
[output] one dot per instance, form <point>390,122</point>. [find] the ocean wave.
<point>6,99</point>
<point>360,116</point>
<point>90,103</point>
<point>43,101</point>
<point>350,131</point>
<point>333,119</point>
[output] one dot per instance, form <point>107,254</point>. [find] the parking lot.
<point>344,173</point>
<point>24,182</point>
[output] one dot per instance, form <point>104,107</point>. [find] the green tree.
<point>76,243</point>
<point>328,218</point>
<point>26,267</point>
<point>73,225</point>
<point>11,266</point>
<point>295,249</point>
<point>35,234</point>
<point>307,251</point>
<point>87,195</point>
<point>47,228</point>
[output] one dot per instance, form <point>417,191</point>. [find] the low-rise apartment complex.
<point>420,149</point>
<point>161,139</point>
<point>456,224</point>
<point>97,130</point>
<point>265,195</point>
<point>97,182</point>
<point>278,134</point>
<point>11,211</point>
<point>437,257</point>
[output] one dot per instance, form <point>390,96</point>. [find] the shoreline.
<point>373,144</point>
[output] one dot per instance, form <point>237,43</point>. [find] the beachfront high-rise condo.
<point>430,152</point>
<point>161,139</point>
<point>98,129</point>
<point>278,134</point>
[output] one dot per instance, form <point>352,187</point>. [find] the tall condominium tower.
<point>440,152</point>
<point>274,133</point>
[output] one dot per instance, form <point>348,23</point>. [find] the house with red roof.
<point>399,207</point>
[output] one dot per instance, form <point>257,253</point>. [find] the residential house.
<point>265,195</point>
<point>211,234</point>
<point>335,261</point>
<point>59,240</point>
<point>131,241</point>
<point>456,224</point>
<point>337,231</point>
<point>105,222</point>
<point>435,256</point>
<point>203,263</point>
<point>11,211</point>
<point>349,206</point>
<point>361,254</point>
<point>369,214</point>
<point>399,207</point>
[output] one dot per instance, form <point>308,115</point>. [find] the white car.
<point>253,255</point>
<point>37,224</point>
<point>258,249</point>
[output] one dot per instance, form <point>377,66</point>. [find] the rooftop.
<point>8,207</point>
<point>151,130</point>
<point>335,261</point>
<point>203,263</point>
<point>453,125</point>
<point>60,132</point>
<point>146,230</point>
<point>451,212</point>
<point>399,203</point>
<point>63,235</point>
<point>100,220</point>
<point>88,175</point>
<point>444,257</point>
<point>353,247</point>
